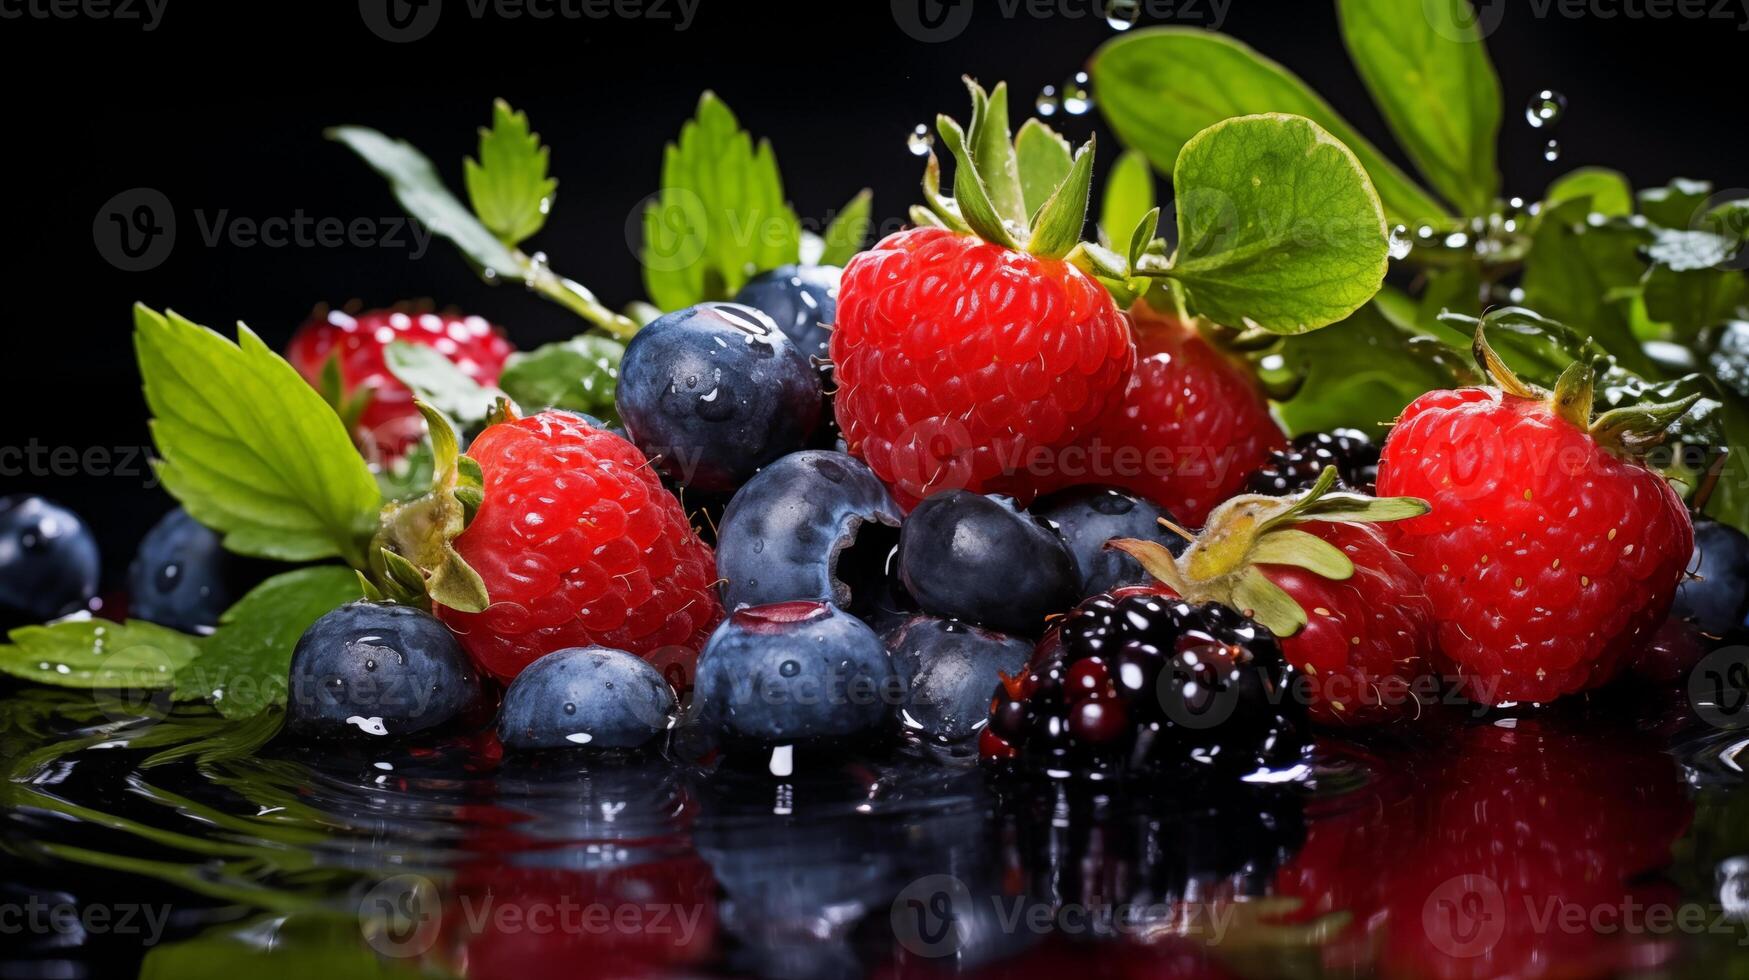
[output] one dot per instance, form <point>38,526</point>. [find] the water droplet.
<point>1401,243</point>
<point>1545,109</point>
<point>370,665</point>
<point>1077,95</point>
<point>570,708</point>
<point>1552,151</point>
<point>168,577</point>
<point>789,668</point>
<point>1046,103</point>
<point>1122,14</point>
<point>919,141</point>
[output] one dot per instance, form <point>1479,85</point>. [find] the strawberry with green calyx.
<point>1553,552</point>
<point>1351,615</point>
<point>967,352</point>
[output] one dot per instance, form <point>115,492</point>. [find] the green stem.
<point>574,296</point>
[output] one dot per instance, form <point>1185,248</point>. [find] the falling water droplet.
<point>1545,109</point>
<point>1077,96</point>
<point>1047,101</point>
<point>919,141</point>
<point>1552,151</point>
<point>1401,242</point>
<point>1122,14</point>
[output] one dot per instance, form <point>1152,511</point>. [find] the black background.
<point>222,108</point>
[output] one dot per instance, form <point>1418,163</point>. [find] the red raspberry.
<point>1550,557</point>
<point>578,544</point>
<point>1191,426</point>
<point>1361,635</point>
<point>959,362</point>
<point>389,423</point>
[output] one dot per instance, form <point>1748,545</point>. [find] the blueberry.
<point>1718,600</point>
<point>793,672</point>
<point>801,299</point>
<point>814,525</point>
<point>978,558</point>
<point>714,392</point>
<point>378,669</point>
<point>48,561</point>
<point>586,696</point>
<point>182,576</point>
<point>1087,517</point>
<point>949,671</point>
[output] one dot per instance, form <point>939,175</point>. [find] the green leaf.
<point>1278,226</point>
<point>578,374</point>
<point>98,654</point>
<point>1676,204</point>
<point>437,380</point>
<point>720,217</point>
<point>969,192</point>
<point>1693,300</point>
<point>1425,65</point>
<point>992,151</point>
<point>848,230</point>
<point>1362,372</point>
<point>508,185</point>
<point>1044,158</point>
<point>1286,546</point>
<point>421,192</point>
<point>1578,272</point>
<point>1684,251</point>
<point>249,448</point>
<point>1607,190</point>
<point>244,664</point>
<point>1129,194</point>
<point>1159,87</point>
<point>1060,221</point>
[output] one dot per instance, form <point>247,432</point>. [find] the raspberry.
<point>960,362</point>
<point>1297,467</point>
<point>1549,556</point>
<point>579,545</point>
<point>1189,428</point>
<point>389,423</point>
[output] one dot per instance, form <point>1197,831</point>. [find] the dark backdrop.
<point>221,106</point>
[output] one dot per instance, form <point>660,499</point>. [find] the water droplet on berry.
<point>1545,108</point>
<point>789,668</point>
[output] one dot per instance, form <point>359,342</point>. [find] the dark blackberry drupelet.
<point>1149,683</point>
<point>1297,467</point>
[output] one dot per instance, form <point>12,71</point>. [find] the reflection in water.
<point>1566,844</point>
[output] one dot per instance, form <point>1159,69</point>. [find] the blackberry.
<point>1150,683</point>
<point>1296,468</point>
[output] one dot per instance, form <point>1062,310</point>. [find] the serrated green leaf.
<point>1129,194</point>
<point>1576,271</point>
<point>1607,190</point>
<point>1425,65</point>
<point>437,380</point>
<point>98,654</point>
<point>849,229</point>
<point>1676,204</point>
<point>579,375</point>
<point>1044,158</point>
<point>1060,221</point>
<point>420,190</point>
<point>1278,226</point>
<point>250,449</point>
<point>1159,87</point>
<point>720,217</point>
<point>244,665</point>
<point>508,185</point>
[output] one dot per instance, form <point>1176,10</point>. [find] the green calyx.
<point>1624,431</point>
<point>412,557</point>
<point>1028,193</point>
<point>1223,563</point>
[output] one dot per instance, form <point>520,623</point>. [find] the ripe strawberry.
<point>1351,615</point>
<point>578,544</point>
<point>387,423</point>
<point>1191,426</point>
<point>965,361</point>
<point>1551,553</point>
